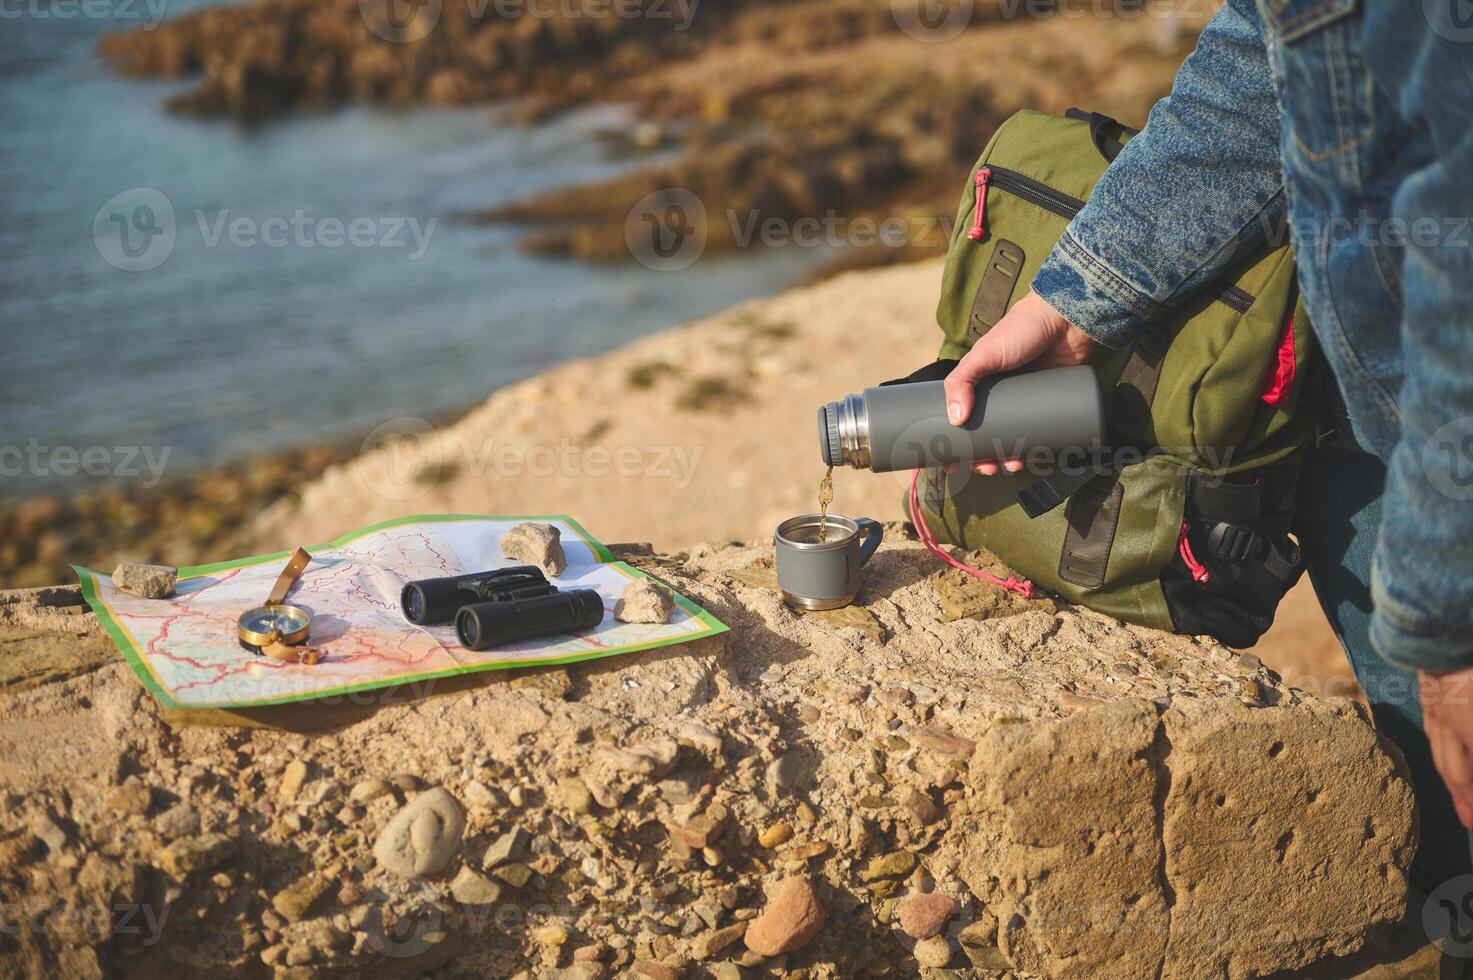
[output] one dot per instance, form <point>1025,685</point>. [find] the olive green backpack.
<point>1185,523</point>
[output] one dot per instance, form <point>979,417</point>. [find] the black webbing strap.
<point>1136,390</point>
<point>1052,490</point>
<point>1100,127</point>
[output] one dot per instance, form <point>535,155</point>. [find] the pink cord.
<point>1184,548</point>
<point>1022,587</point>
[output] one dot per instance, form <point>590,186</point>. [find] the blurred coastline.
<point>835,112</point>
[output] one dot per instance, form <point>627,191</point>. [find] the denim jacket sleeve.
<point>1200,186</point>
<point>1422,573</point>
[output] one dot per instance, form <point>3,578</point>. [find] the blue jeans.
<point>1340,509</point>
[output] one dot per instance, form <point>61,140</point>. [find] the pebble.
<point>507,847</point>
<point>697,833</point>
<point>477,794</point>
<point>591,953</point>
<point>145,581</point>
<point>792,917</point>
<point>922,807</point>
<point>942,742</point>
<point>699,737</point>
<point>131,797</point>
<point>575,795</point>
<point>934,952</point>
<point>653,758</point>
<point>367,790</point>
<point>536,544</point>
<point>808,714</point>
<point>644,601</point>
<point>656,970</point>
<point>896,864</point>
<point>323,790</point>
<point>776,835</point>
<point>193,854</point>
<point>296,900</point>
<point>292,778</point>
<point>408,782</point>
<point>515,875</point>
<point>717,940</point>
<point>784,771</point>
<point>925,914</point>
<point>472,888</point>
<point>423,836</point>
<point>553,935</point>
<point>177,821</point>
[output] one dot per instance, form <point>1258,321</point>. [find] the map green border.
<point>128,646</point>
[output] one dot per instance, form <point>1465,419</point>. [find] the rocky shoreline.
<point>816,109</point>
<point>185,520</point>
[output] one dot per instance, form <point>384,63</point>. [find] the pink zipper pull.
<point>1184,548</point>
<point>978,229</point>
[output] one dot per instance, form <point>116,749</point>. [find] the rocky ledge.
<point>941,778</point>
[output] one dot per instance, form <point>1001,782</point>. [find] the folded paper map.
<point>185,651</point>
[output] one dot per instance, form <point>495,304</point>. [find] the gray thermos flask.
<point>904,427</point>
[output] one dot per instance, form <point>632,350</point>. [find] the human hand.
<point>1447,717</point>
<point>1032,335</point>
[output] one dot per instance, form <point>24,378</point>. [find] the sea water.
<point>256,331</point>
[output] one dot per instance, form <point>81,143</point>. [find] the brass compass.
<point>278,622</point>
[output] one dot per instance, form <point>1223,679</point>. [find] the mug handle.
<point>873,533</point>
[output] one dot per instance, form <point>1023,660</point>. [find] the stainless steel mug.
<point>816,574</point>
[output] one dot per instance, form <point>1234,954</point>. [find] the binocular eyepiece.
<point>483,625</point>
<point>433,601</point>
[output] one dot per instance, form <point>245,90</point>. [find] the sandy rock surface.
<point>1097,800</point>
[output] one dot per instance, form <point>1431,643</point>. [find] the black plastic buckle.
<point>1233,542</point>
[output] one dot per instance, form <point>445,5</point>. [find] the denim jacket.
<point>1352,121</point>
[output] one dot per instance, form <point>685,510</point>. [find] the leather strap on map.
<point>1090,522</point>
<point>996,288</point>
<point>295,566</point>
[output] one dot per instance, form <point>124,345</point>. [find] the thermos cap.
<point>828,436</point>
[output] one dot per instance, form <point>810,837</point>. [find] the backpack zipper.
<point>1065,206</point>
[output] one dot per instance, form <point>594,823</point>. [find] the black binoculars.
<point>484,625</point>
<point>502,606</point>
<point>432,601</point>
